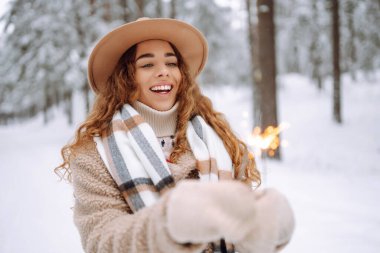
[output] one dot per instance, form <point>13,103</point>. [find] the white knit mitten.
<point>273,226</point>
<point>204,212</point>
<point>256,222</point>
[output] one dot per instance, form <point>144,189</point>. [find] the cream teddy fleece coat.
<point>105,221</point>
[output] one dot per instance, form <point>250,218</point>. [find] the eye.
<point>148,65</point>
<point>172,64</point>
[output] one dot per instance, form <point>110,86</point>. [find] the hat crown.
<point>142,18</point>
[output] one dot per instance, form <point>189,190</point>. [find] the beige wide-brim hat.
<point>104,57</point>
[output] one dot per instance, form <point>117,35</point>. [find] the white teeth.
<point>161,88</point>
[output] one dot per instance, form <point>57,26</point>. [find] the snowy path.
<point>330,173</point>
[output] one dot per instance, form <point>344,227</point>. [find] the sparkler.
<point>265,143</point>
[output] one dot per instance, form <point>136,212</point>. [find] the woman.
<point>150,132</point>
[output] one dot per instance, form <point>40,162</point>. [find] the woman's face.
<point>157,74</point>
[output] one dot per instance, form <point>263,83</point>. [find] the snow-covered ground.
<point>330,172</point>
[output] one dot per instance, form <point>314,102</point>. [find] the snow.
<point>329,172</point>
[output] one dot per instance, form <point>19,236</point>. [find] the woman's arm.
<point>104,220</point>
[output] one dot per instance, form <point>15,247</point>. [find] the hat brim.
<point>189,41</point>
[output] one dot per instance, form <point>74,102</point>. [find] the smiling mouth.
<point>162,89</point>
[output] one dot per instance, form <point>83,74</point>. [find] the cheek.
<point>139,75</point>
<point>143,92</point>
<point>178,77</point>
<point>138,86</point>
<point>140,89</point>
<point>141,81</point>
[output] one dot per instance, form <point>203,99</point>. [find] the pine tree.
<point>225,44</point>
<point>255,71</point>
<point>336,61</point>
<point>34,60</point>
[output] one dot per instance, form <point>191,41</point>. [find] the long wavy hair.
<point>121,88</point>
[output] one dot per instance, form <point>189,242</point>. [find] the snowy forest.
<point>309,70</point>
<point>44,45</point>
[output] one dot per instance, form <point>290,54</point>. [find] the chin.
<point>163,107</point>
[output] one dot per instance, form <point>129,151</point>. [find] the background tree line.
<point>45,44</point>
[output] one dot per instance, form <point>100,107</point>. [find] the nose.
<point>163,70</point>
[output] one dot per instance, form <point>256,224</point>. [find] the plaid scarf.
<point>135,160</point>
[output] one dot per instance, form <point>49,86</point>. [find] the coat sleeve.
<point>104,219</point>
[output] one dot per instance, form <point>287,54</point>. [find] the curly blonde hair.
<point>121,89</point>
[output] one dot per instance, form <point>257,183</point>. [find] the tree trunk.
<point>315,54</point>
<point>92,6</point>
<point>124,6</point>
<point>159,8</point>
<point>267,55</point>
<point>336,55</point>
<point>173,9</point>
<point>86,92</point>
<point>82,55</point>
<point>47,104</point>
<point>255,68</point>
<point>350,7</point>
<point>107,11</point>
<point>68,103</point>
<point>140,8</point>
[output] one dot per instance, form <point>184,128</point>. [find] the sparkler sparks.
<point>268,140</point>
<point>265,143</point>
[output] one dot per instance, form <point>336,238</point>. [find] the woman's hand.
<point>204,212</point>
<point>273,226</point>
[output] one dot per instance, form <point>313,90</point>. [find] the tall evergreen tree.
<point>336,61</point>
<point>255,71</point>
<point>350,57</point>
<point>44,57</point>
<point>225,43</point>
<point>34,59</point>
<point>173,9</point>
<point>315,46</point>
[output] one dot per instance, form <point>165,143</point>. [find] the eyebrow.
<point>150,55</point>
